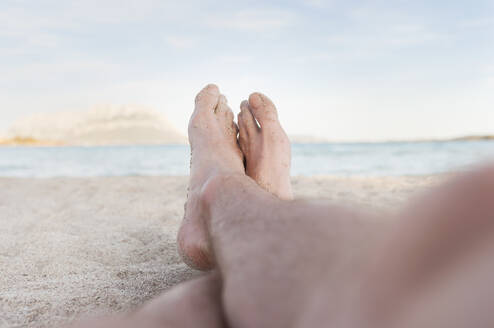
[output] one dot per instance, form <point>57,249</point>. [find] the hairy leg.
<point>300,263</point>
<point>435,267</point>
<point>284,263</point>
<point>195,303</point>
<point>274,255</point>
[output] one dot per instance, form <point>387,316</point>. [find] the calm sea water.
<point>368,159</point>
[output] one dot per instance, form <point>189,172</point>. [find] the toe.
<point>263,109</point>
<point>224,111</point>
<point>248,119</point>
<point>222,105</point>
<point>207,99</point>
<point>242,132</point>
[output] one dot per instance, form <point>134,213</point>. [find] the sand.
<point>72,247</point>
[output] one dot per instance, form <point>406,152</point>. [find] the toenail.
<point>257,98</point>
<point>244,105</point>
<point>212,87</point>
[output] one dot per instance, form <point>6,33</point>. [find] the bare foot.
<point>266,147</point>
<point>214,151</point>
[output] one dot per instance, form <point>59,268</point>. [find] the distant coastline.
<point>316,140</point>
<point>34,142</point>
<point>29,142</point>
<point>475,138</point>
<point>134,125</point>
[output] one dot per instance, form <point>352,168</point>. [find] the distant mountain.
<point>102,125</point>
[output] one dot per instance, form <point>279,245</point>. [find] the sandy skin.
<point>261,141</point>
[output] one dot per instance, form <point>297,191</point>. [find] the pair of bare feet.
<point>257,147</point>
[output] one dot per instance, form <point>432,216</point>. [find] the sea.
<point>337,159</point>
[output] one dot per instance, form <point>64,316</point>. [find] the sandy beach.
<point>73,246</point>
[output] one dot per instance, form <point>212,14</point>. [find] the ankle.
<point>217,185</point>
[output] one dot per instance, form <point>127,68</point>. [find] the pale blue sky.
<point>343,70</point>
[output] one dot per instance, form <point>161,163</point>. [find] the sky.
<point>339,70</point>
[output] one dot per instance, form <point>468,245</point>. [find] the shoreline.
<point>31,142</point>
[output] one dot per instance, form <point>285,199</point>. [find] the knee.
<point>477,187</point>
<point>464,204</point>
<point>484,175</point>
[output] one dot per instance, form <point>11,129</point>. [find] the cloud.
<point>477,22</point>
<point>43,40</point>
<point>180,42</point>
<point>312,58</point>
<point>233,59</point>
<point>388,36</point>
<point>45,23</point>
<point>252,20</point>
<point>317,3</point>
<point>53,73</point>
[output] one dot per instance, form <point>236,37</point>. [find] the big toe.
<point>263,109</point>
<point>207,99</point>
